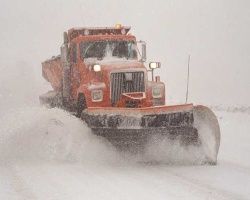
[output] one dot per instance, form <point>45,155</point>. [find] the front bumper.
<point>139,118</point>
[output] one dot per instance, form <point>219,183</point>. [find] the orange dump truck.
<point>100,76</point>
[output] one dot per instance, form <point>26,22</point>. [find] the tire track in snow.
<point>209,192</point>
<point>116,180</point>
<point>140,177</point>
<point>216,192</point>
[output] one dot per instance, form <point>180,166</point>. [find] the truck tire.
<point>81,105</point>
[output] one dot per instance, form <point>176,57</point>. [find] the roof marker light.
<point>118,26</point>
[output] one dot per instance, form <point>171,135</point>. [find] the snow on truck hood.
<point>115,62</point>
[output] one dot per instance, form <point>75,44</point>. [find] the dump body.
<point>52,72</point>
<point>101,76</point>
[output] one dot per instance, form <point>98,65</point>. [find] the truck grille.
<point>125,82</point>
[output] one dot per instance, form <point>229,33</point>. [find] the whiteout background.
<point>48,154</point>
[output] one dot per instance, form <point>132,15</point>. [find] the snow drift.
<point>40,134</point>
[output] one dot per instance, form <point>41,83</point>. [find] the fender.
<point>86,89</point>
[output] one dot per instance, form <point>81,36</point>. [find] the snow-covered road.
<point>51,155</point>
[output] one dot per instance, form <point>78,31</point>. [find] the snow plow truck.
<point>101,77</point>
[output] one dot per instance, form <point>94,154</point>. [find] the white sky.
<point>215,32</point>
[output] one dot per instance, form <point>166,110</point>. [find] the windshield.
<point>102,49</point>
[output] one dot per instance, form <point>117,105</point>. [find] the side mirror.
<point>65,53</point>
<point>65,38</point>
<point>143,50</point>
<point>154,65</point>
<point>65,48</point>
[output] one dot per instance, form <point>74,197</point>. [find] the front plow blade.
<point>133,129</point>
<point>208,128</point>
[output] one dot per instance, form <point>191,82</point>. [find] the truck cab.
<point>104,67</point>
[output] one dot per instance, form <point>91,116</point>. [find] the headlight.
<point>97,68</point>
<point>156,92</point>
<point>97,95</point>
<point>154,65</point>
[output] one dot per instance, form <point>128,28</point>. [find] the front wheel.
<point>81,105</point>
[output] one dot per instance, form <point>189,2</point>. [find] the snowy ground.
<point>48,154</point>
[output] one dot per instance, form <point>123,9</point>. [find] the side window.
<point>74,53</point>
